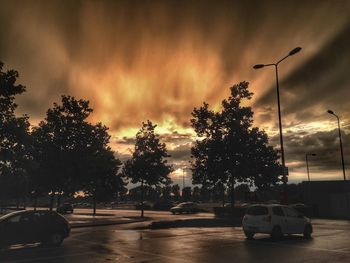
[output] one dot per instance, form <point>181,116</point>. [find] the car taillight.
<point>267,219</point>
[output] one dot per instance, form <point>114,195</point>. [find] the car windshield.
<point>3,218</point>
<point>257,210</point>
<point>184,204</point>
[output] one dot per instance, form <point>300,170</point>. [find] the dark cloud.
<point>325,144</point>
<point>125,140</point>
<point>320,83</point>
<point>181,153</point>
<point>176,137</point>
<point>123,157</point>
<point>139,60</point>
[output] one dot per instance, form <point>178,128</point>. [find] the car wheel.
<point>307,231</point>
<point>276,233</point>
<point>249,235</point>
<point>55,239</point>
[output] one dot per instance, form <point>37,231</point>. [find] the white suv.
<point>275,220</point>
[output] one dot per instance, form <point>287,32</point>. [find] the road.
<point>124,243</point>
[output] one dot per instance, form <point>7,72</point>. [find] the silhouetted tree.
<point>186,193</point>
<point>166,192</point>
<point>230,149</point>
<point>241,191</point>
<point>175,190</point>
<point>148,164</point>
<point>72,154</point>
<point>15,156</point>
<point>219,192</point>
<point>102,181</point>
<point>196,194</point>
<point>205,193</point>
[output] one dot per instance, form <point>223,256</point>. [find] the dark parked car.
<point>65,208</point>
<point>163,205</point>
<point>187,207</point>
<point>25,227</point>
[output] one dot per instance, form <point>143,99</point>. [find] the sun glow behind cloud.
<point>141,60</point>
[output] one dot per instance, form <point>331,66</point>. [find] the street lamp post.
<point>340,142</point>
<point>183,178</point>
<point>308,195</point>
<point>258,66</point>
<point>307,164</point>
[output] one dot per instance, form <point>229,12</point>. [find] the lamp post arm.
<point>281,60</point>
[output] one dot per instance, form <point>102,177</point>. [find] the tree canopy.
<point>148,164</point>
<point>229,149</point>
<point>73,154</point>
<point>15,161</point>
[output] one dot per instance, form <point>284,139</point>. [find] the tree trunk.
<point>24,203</point>
<point>52,199</point>
<point>59,199</point>
<point>94,204</point>
<point>117,199</point>
<point>142,198</point>
<point>233,196</point>
<point>223,195</point>
<point>35,202</point>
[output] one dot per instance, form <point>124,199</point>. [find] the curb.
<point>192,223</point>
<point>104,223</point>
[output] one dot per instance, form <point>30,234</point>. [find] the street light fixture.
<point>284,172</point>
<point>340,142</point>
<point>307,164</point>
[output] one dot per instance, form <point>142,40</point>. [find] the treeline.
<point>66,154</point>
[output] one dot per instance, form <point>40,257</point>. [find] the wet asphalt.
<point>127,243</point>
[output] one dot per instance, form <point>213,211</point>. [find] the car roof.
<point>13,214</point>
<point>25,212</point>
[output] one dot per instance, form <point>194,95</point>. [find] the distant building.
<point>330,199</point>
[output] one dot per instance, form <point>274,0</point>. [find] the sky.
<point>157,60</point>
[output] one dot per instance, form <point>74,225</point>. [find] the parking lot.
<point>124,243</point>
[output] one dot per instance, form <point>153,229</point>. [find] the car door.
<point>40,225</point>
<point>28,228</point>
<point>9,231</point>
<point>16,229</point>
<point>295,222</point>
<point>279,218</point>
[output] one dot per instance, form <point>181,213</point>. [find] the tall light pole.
<point>340,141</point>
<point>183,178</point>
<point>307,164</point>
<point>284,172</point>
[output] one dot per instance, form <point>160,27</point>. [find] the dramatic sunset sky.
<point>157,60</point>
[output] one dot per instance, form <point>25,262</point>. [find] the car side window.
<point>26,218</point>
<point>38,216</point>
<point>278,211</point>
<point>14,219</point>
<point>291,212</point>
